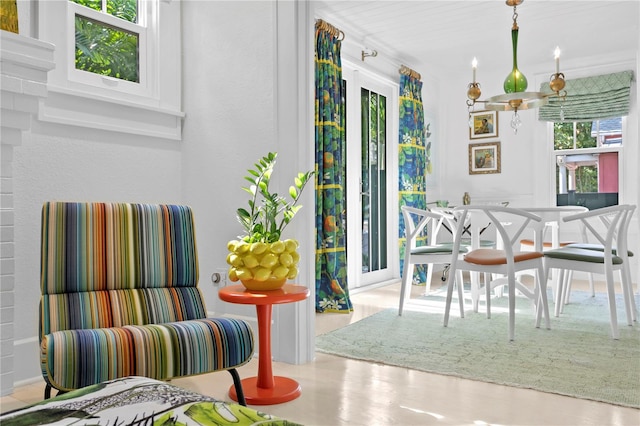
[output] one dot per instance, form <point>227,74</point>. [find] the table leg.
<point>266,389</point>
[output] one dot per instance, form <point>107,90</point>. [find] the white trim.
<point>152,108</point>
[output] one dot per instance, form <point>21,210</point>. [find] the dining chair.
<point>416,220</point>
<point>509,223</point>
<point>546,235</point>
<point>609,226</point>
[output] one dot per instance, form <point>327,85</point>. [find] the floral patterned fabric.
<point>332,292</point>
<point>412,161</point>
<point>140,401</point>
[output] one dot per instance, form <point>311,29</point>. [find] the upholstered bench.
<point>120,298</point>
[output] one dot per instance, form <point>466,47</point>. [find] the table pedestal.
<point>266,389</point>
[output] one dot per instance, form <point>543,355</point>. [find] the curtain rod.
<point>405,70</point>
<point>325,26</point>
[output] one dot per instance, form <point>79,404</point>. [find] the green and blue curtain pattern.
<point>412,161</point>
<point>332,292</point>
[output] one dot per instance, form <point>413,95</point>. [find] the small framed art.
<point>483,124</point>
<point>484,158</point>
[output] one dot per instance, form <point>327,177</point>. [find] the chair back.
<point>415,221</point>
<point>509,224</point>
<point>609,226</point>
<point>116,264</point>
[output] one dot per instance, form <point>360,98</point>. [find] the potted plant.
<point>260,259</point>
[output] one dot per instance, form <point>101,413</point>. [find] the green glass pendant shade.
<point>515,81</point>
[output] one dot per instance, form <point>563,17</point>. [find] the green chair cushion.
<point>583,255</point>
<point>445,248</point>
<point>597,247</point>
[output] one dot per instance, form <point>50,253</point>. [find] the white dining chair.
<point>609,227</point>
<point>509,223</point>
<point>547,235</point>
<point>430,254</point>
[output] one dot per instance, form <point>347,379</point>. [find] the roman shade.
<point>589,98</point>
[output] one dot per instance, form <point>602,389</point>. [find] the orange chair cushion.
<point>546,244</point>
<point>497,257</point>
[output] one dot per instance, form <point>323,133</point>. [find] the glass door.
<point>371,211</point>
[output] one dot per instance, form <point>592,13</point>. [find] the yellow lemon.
<point>262,274</point>
<point>293,272</point>
<point>269,260</point>
<point>277,247</point>
<point>234,260</point>
<point>281,272</point>
<point>231,245</point>
<point>232,274</point>
<point>290,245</point>
<point>250,261</point>
<point>243,274</point>
<point>241,247</point>
<point>296,256</point>
<point>258,247</point>
<point>286,259</point>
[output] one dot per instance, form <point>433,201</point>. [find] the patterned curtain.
<point>412,160</point>
<point>332,292</point>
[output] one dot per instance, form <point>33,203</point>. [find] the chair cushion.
<point>545,244</point>
<point>497,257</point>
<point>597,247</point>
<point>582,255</point>
<point>437,249</point>
<point>72,359</point>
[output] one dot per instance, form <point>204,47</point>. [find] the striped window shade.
<point>590,98</point>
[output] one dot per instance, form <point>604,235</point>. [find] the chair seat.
<point>580,254</point>
<point>497,257</point>
<point>200,346</point>
<point>545,244</point>
<point>437,249</point>
<point>597,247</point>
<point>466,242</point>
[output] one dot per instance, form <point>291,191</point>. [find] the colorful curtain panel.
<point>412,160</point>
<point>332,292</point>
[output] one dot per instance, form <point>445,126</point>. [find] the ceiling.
<point>442,37</point>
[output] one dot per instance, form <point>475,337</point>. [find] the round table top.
<point>239,294</point>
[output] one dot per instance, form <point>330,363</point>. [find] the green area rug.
<point>575,358</point>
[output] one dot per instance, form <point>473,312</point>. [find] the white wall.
<point>230,77</point>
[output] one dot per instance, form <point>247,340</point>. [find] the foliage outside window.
<point>107,49</point>
<point>587,162</point>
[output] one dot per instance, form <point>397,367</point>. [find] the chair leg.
<point>47,391</point>
<point>451,281</point>
<point>407,277</point>
<point>630,294</point>
<point>512,305</point>
<point>541,298</point>
<point>460,285</point>
<point>612,304</point>
<point>627,300</point>
<point>237,383</point>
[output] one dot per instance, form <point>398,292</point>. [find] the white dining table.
<point>551,220</point>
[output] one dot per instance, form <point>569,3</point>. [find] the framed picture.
<point>483,124</point>
<point>484,158</point>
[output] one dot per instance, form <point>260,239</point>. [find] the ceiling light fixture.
<point>515,96</point>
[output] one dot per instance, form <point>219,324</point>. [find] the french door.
<point>371,195</point>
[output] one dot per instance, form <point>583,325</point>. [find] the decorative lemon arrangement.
<point>260,259</point>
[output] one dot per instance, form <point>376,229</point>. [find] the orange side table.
<point>265,389</point>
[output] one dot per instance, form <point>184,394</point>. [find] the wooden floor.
<point>339,391</point>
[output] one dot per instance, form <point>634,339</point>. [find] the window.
<point>117,67</point>
<point>587,162</point>
<point>107,42</point>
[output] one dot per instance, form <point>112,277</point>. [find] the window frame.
<point>146,49</point>
<point>619,149</point>
<point>149,108</point>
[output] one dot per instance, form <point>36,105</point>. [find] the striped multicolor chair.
<point>120,298</point>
